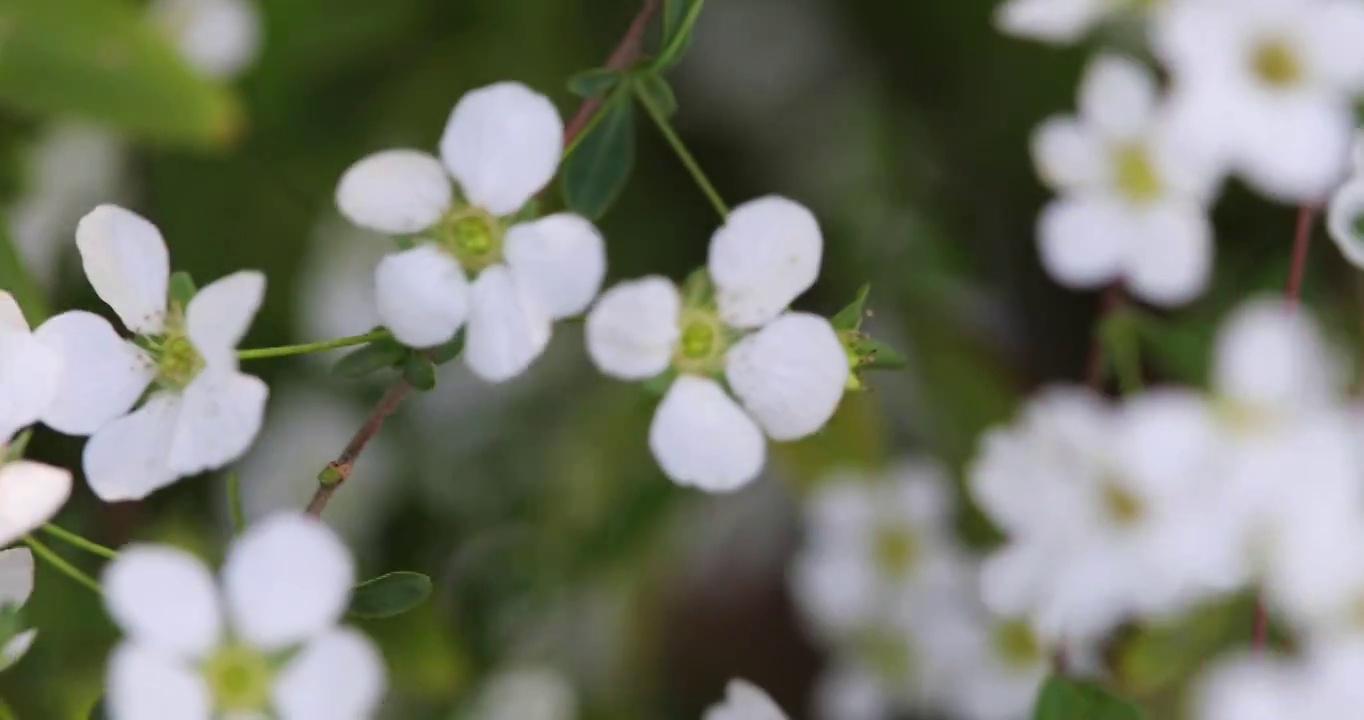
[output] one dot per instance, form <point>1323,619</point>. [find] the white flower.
<point>1133,191</point>
<point>30,371</point>
<point>1058,21</point>
<point>218,38</point>
<point>336,287</point>
<point>1321,684</point>
<point>849,692</point>
<point>16,585</point>
<point>1109,512</point>
<point>1272,367</point>
<point>526,694</point>
<point>266,642</point>
<point>31,493</point>
<point>990,668</point>
<point>1269,85</point>
<point>744,701</point>
<point>788,371</point>
<point>501,146</point>
<point>876,544</point>
<point>1345,214</point>
<point>202,412</point>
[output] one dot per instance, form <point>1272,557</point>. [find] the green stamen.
<point>472,236</point>
<point>239,679</point>
<point>1134,174</point>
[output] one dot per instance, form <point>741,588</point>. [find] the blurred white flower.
<point>336,287</point>
<point>848,691</point>
<point>1322,683</point>
<point>266,642</point>
<point>788,371</point>
<point>745,701</point>
<point>526,694</point>
<point>502,145</point>
<point>1133,191</point>
<point>1269,85</point>
<point>992,668</point>
<point>30,371</point>
<point>16,585</point>
<point>1059,21</point>
<point>219,38</point>
<point>1345,214</point>
<point>874,544</point>
<point>203,412</point>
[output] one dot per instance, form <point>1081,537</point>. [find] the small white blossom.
<point>850,692</point>
<point>1133,191</point>
<point>202,413</point>
<point>1268,85</point>
<point>30,371</point>
<point>474,262</point>
<point>219,38</point>
<point>1345,214</point>
<point>787,369</point>
<point>266,642</point>
<point>1321,684</point>
<point>745,701</point>
<point>16,585</point>
<point>526,694</point>
<point>1059,21</point>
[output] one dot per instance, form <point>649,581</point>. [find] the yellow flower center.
<point>239,679</point>
<point>1276,63</point>
<point>701,348</point>
<point>178,362</point>
<point>896,550</point>
<point>1122,506</point>
<point>472,236</point>
<point>1016,644</point>
<point>1134,175</point>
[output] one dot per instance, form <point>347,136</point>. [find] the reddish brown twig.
<point>629,49</point>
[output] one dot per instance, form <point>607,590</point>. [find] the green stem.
<point>319,346</point>
<point>58,562</point>
<point>598,113</point>
<point>15,278</point>
<point>234,502</point>
<point>79,541</point>
<point>661,120</point>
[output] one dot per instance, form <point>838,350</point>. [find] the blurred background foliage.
<point>536,508</point>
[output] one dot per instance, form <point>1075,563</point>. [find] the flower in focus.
<point>745,701</point>
<point>1133,192</point>
<point>475,261</point>
<point>1268,85</point>
<point>201,413</point>
<point>30,371</point>
<point>219,38</point>
<point>264,644</point>
<point>16,585</point>
<point>1060,21</point>
<point>526,694</point>
<point>787,369</point>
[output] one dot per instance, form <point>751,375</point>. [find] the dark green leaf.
<point>388,595</point>
<point>598,169</point>
<point>850,317</point>
<point>657,92</point>
<point>659,384</point>
<point>876,355</point>
<point>1065,699</point>
<point>592,83</point>
<point>442,354</point>
<point>16,447</point>
<point>371,358</point>
<point>679,17</point>
<point>98,712</point>
<point>528,212</point>
<point>419,371</point>
<point>11,622</point>
<point>112,66</point>
<point>182,289</point>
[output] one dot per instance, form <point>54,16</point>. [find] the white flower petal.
<point>103,374</point>
<point>11,316</point>
<point>30,378</point>
<point>1296,149</point>
<point>143,684</point>
<point>422,294</point>
<point>1082,241</point>
<point>221,313</point>
<point>765,255</point>
<point>219,38</point>
<point>220,414</point>
<point>395,191</point>
<point>745,701</point>
<point>1170,260</point>
<point>338,675</point>
<point>1068,155</point>
<point>701,437</point>
<point>16,575</point>
<point>128,459</point>
<point>1335,50</point>
<point>633,328</point>
<point>559,260</point>
<point>17,647</point>
<point>790,375</point>
<point>1345,221</point>
<point>502,143</point>
<point>30,494</point>
<point>1273,358</point>
<point>507,330</point>
<point>1055,21</point>
<point>164,599</point>
<point>287,579</point>
<point>127,263</point>
<point>1118,96</point>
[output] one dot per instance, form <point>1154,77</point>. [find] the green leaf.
<point>592,83</point>
<point>16,279</point>
<point>528,212</point>
<point>876,355</point>
<point>697,290</point>
<point>371,358</point>
<point>104,61</point>
<point>658,385</point>
<point>419,371</point>
<point>389,595</point>
<point>442,354</point>
<point>597,170</point>
<point>99,712</point>
<point>679,17</point>
<point>656,91</point>
<point>850,317</point>
<point>1065,699</point>
<point>182,289</point>
<point>16,447</point>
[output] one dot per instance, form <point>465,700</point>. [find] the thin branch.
<point>630,48</point>
<point>338,470</point>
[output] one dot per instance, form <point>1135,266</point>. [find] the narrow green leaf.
<point>876,355</point>
<point>419,371</point>
<point>389,595</point>
<point>658,91</point>
<point>16,447</point>
<point>442,354</point>
<point>679,17</point>
<point>112,66</point>
<point>850,317</point>
<point>594,82</point>
<point>182,289</point>
<point>371,358</point>
<point>17,281</point>
<point>597,171</point>
<point>528,212</point>
<point>98,712</point>
<point>1066,699</point>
